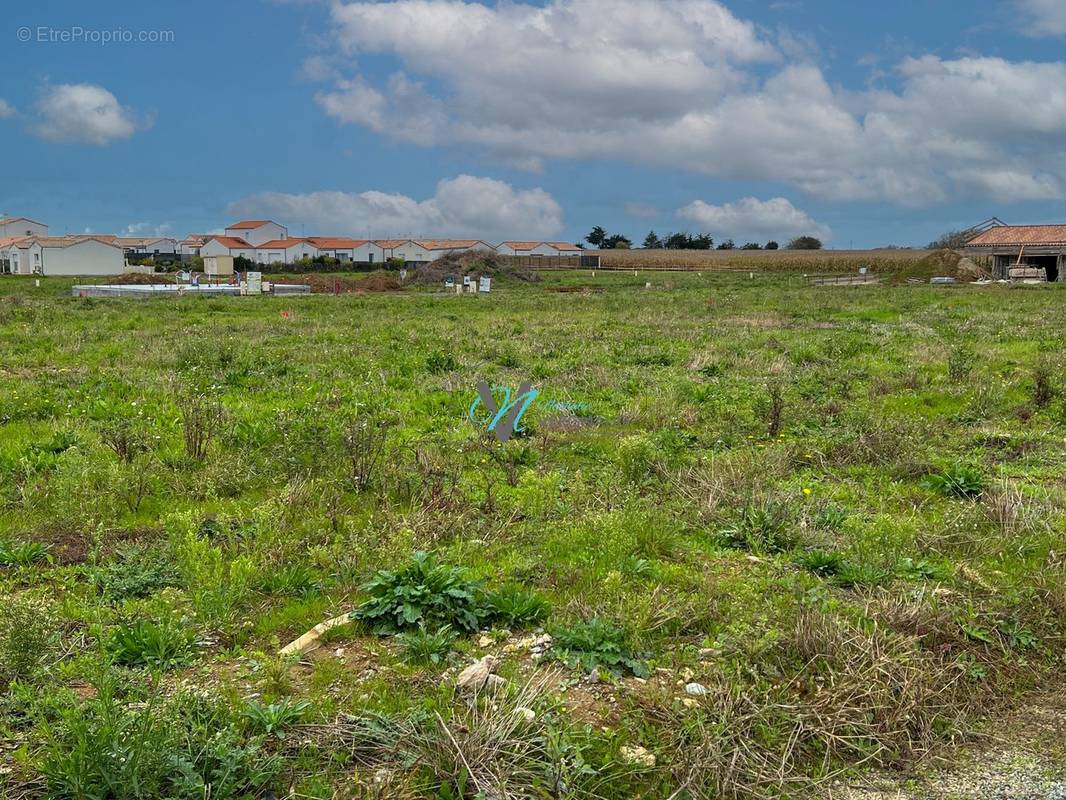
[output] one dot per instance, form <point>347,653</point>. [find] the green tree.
<point>728,244</point>
<point>805,243</point>
<point>616,241</point>
<point>597,237</point>
<point>652,241</point>
<point>751,246</point>
<point>772,245</point>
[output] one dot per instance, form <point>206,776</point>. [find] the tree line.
<point>683,240</point>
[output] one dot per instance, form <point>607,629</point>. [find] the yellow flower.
<point>806,490</point>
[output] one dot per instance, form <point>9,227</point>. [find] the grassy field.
<point>755,536</point>
<point>764,260</point>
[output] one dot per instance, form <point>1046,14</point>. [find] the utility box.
<point>218,266</point>
<point>255,283</point>
<point>484,284</point>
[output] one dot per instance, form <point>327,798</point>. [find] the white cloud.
<point>144,230</point>
<point>1044,17</point>
<point>6,109</point>
<point>462,206</point>
<point>82,112</point>
<point>751,218</point>
<point>686,84</point>
<point>318,68</point>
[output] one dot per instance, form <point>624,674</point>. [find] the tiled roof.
<point>521,245</point>
<point>69,241</point>
<point>6,220</point>
<point>136,241</point>
<point>281,244</point>
<point>389,244</point>
<point>447,244</point>
<point>564,246</point>
<point>1006,235</point>
<point>231,242</point>
<point>335,242</point>
<point>248,224</point>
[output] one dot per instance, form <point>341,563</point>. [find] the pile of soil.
<point>139,279</point>
<point>469,263</point>
<point>379,281</point>
<point>942,264</point>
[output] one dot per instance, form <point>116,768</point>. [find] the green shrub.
<point>425,648</point>
<point>148,644</point>
<point>594,645</point>
<point>923,569</point>
<point>423,594</point>
<point>862,573</point>
<point>184,748</point>
<point>822,562</point>
<point>517,607</point>
<point>763,527</point>
<point>22,554</point>
<point>274,719</point>
<point>956,480</point>
<point>295,580</point>
<point>437,363</point>
<point>28,637</point>
<point>137,571</point>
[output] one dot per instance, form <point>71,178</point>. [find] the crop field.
<point>764,260</point>
<point>751,538</point>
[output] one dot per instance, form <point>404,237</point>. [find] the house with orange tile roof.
<point>21,226</point>
<point>442,247</point>
<point>345,249</point>
<point>285,251</point>
<point>148,245</point>
<point>530,248</point>
<point>228,246</point>
<point>257,231</point>
<point>191,244</point>
<point>1034,246</point>
<point>61,255</point>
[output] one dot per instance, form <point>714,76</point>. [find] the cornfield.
<point>761,260</point>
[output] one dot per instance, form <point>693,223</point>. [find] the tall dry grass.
<point>761,260</point>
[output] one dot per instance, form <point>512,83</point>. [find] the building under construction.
<point>1021,251</point>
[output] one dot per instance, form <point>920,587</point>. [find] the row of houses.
<point>27,249</point>
<point>267,242</point>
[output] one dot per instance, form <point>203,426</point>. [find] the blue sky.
<point>867,123</point>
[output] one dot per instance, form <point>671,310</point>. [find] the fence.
<point>831,279</point>
<point>552,262</point>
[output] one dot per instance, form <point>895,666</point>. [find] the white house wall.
<point>22,227</point>
<point>261,235</point>
<point>216,248</point>
<point>88,257</point>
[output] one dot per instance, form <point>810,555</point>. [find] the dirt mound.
<point>470,263</point>
<point>942,264</point>
<point>138,279</point>
<point>968,270</point>
<point>379,281</point>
